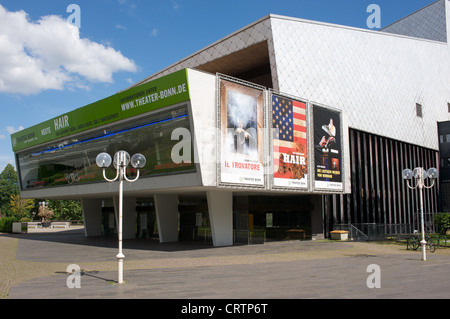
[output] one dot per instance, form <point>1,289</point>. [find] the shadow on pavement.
<point>77,237</point>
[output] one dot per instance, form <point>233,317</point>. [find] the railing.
<point>428,221</point>
<point>356,234</point>
<point>207,235</point>
<point>247,237</point>
<point>369,231</point>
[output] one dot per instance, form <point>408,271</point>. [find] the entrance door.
<point>188,228</point>
<point>194,226</point>
<point>145,221</point>
<point>108,222</point>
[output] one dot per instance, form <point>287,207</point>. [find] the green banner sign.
<point>159,93</point>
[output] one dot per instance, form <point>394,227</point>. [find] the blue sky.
<point>48,68</point>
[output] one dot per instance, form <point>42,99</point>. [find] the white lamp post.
<point>420,176</point>
<point>121,161</point>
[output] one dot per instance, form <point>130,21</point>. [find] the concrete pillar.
<point>129,216</point>
<point>166,207</point>
<point>220,207</point>
<point>317,229</point>
<point>92,216</point>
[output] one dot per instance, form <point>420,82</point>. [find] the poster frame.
<point>220,184</point>
<point>314,188</point>
<point>271,178</point>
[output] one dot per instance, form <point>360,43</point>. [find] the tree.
<point>45,212</point>
<point>8,186</point>
<point>66,209</point>
<point>442,221</point>
<point>19,207</point>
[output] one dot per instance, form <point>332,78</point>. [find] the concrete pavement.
<point>281,270</point>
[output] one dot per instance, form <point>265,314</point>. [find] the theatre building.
<point>285,129</point>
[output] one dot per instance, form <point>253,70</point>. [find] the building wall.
<point>426,23</point>
<point>203,98</point>
<point>375,78</point>
<point>248,36</point>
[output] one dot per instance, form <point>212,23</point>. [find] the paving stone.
<point>281,270</point>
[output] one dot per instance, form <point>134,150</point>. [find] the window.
<point>72,161</point>
<point>419,110</point>
<point>448,107</point>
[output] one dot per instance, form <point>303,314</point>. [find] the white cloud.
<point>121,27</point>
<point>154,32</point>
<point>175,5</point>
<point>2,137</point>
<point>12,129</point>
<point>49,54</point>
<point>131,5</point>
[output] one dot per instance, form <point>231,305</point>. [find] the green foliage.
<point>6,224</point>
<point>8,186</point>
<point>11,205</point>
<point>66,209</point>
<point>19,207</point>
<point>442,221</point>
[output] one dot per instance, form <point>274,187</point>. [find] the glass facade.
<point>72,161</point>
<point>258,219</point>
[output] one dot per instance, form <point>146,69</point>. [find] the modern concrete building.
<point>285,128</point>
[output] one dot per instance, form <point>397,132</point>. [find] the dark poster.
<point>327,148</point>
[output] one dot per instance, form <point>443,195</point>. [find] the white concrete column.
<point>166,207</point>
<point>92,216</point>
<point>220,207</point>
<point>129,216</point>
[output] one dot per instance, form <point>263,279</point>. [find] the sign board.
<point>241,134</point>
<point>288,124</point>
<point>153,95</point>
<point>328,165</point>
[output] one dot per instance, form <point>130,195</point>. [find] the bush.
<point>442,221</point>
<point>6,224</point>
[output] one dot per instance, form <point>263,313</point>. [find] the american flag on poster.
<point>289,142</point>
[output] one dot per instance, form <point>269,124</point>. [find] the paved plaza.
<point>34,266</point>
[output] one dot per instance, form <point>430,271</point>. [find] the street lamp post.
<point>121,161</point>
<point>420,175</point>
